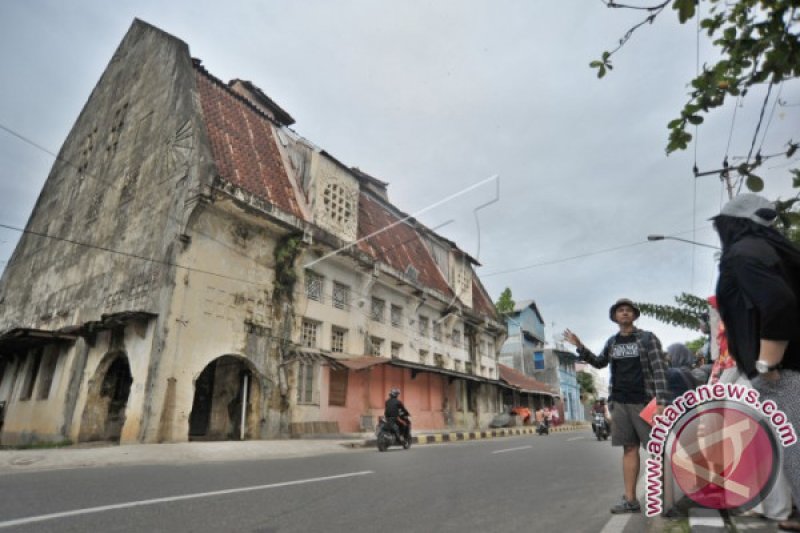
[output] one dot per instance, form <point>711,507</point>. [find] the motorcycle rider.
<point>397,415</point>
<point>600,407</point>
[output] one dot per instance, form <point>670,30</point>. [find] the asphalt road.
<point>561,482</point>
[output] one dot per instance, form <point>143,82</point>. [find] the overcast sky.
<point>434,97</point>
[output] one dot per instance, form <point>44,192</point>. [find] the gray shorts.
<point>627,427</point>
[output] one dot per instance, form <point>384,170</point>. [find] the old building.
<point>525,327</point>
<point>195,269</point>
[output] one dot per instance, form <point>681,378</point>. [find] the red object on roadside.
<point>524,412</point>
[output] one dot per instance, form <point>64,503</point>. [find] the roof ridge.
<point>198,65</point>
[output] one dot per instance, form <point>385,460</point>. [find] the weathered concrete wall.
<point>37,418</point>
<point>119,183</point>
<point>216,315</point>
<point>128,175</point>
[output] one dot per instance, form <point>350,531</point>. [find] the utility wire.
<point>126,254</point>
<point>771,115</point>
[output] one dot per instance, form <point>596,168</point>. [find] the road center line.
<point>512,449</point>
<point>575,438</point>
<point>154,501</point>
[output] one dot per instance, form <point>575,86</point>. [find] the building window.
<point>305,382</point>
<point>309,339</point>
<point>30,375</point>
<point>456,338</point>
<point>490,349</point>
<point>338,338</point>
<point>396,348</point>
<point>341,295</point>
<point>437,331</point>
<point>338,204</point>
<point>482,348</point>
<point>46,373</point>
<point>376,345</point>
<point>438,360</point>
<point>378,310</point>
<point>337,390</point>
<point>423,326</point>
<point>423,357</point>
<point>314,286</point>
<point>397,316</point>
<point>538,361</point>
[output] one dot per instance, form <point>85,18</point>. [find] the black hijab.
<point>733,229</point>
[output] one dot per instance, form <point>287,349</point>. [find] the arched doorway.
<point>226,395</point>
<point>107,398</point>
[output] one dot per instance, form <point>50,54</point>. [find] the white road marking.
<point>616,524</point>
<point>575,438</point>
<point>512,449</point>
<point>154,501</point>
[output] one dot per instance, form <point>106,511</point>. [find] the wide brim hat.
<point>623,301</point>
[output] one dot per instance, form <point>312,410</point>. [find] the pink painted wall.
<point>368,389</point>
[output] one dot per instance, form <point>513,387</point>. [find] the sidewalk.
<point>105,454</point>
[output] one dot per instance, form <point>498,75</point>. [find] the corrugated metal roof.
<point>523,382</point>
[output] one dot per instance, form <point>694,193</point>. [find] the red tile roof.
<point>481,302</point>
<point>243,144</point>
<point>246,154</point>
<point>522,381</point>
<point>399,246</point>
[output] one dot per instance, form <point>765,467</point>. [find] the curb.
<point>461,436</point>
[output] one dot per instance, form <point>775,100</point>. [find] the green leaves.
<point>603,64</point>
<point>754,183</point>
<point>795,178</point>
<point>755,41</point>
<point>685,315</point>
<point>505,304</point>
<point>678,139</point>
<point>685,9</point>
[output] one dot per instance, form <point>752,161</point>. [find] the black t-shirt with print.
<point>626,368</point>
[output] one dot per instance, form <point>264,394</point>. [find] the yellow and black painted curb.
<point>461,436</point>
<point>456,436</point>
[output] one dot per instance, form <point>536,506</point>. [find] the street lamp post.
<point>671,238</point>
<point>668,237</point>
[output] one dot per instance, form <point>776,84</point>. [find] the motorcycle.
<point>389,436</point>
<point>543,428</point>
<point>600,426</point>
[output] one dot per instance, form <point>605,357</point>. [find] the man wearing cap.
<point>757,293</point>
<point>638,374</point>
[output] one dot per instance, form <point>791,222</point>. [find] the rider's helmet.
<point>394,393</point>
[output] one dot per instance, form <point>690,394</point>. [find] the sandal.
<point>789,525</point>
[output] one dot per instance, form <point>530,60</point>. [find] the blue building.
<point>524,351</point>
<point>525,328</point>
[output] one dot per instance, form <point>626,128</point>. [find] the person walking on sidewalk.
<point>638,374</point>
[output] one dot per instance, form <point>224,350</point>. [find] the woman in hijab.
<point>759,273</point>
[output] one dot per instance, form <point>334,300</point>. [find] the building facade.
<point>195,269</point>
<point>525,327</point>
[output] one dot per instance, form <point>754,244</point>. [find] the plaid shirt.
<point>654,365</point>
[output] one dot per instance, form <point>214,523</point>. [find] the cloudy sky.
<point>434,97</point>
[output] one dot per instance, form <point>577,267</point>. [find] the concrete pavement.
<point>103,454</point>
